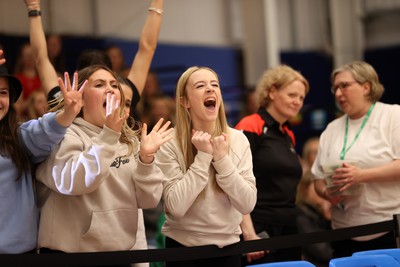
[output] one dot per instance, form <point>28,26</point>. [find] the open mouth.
<point>210,103</point>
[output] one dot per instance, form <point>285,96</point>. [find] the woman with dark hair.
<point>21,147</point>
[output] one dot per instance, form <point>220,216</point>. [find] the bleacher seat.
<point>365,261</point>
<point>394,252</point>
<point>285,264</point>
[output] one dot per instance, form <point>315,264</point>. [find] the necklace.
<point>344,149</point>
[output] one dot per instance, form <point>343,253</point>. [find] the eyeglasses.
<point>342,86</point>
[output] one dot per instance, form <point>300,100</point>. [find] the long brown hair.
<point>10,145</point>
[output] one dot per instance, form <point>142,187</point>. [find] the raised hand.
<point>220,145</point>
<point>72,96</point>
<point>72,99</point>
<point>202,141</point>
<point>150,143</point>
<point>114,120</point>
<point>30,3</point>
<point>3,60</point>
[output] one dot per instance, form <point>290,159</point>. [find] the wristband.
<point>34,13</point>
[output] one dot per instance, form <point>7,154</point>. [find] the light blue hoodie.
<point>18,211</point>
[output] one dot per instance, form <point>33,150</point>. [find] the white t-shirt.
<point>377,144</point>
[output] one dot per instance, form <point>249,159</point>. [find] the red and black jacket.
<point>276,167</point>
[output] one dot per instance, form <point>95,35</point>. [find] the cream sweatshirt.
<point>89,192</point>
<point>194,218</point>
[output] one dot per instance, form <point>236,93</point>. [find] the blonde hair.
<point>128,135</point>
<point>277,77</point>
<point>307,148</point>
<point>183,129</point>
<point>32,99</point>
<point>363,72</point>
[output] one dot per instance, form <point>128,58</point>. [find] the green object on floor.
<point>160,240</point>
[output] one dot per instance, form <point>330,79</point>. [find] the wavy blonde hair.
<point>128,135</point>
<point>277,77</point>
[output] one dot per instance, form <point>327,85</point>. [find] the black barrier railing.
<point>190,253</point>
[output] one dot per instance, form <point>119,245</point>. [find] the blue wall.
<point>386,63</point>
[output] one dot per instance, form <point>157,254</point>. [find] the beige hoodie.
<point>89,192</point>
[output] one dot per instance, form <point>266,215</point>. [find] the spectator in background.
<point>93,57</point>
<point>358,163</point>
<point>25,71</point>
<point>56,53</point>
<point>315,212</point>
<point>251,103</point>
<point>116,56</point>
<point>145,235</point>
<point>37,104</point>
<point>152,89</point>
<point>133,120</point>
<point>310,150</point>
<point>161,107</point>
<point>276,165</point>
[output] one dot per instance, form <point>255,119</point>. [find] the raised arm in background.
<point>140,65</point>
<point>147,46</point>
<point>47,72</point>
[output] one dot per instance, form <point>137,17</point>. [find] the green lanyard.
<point>344,150</point>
